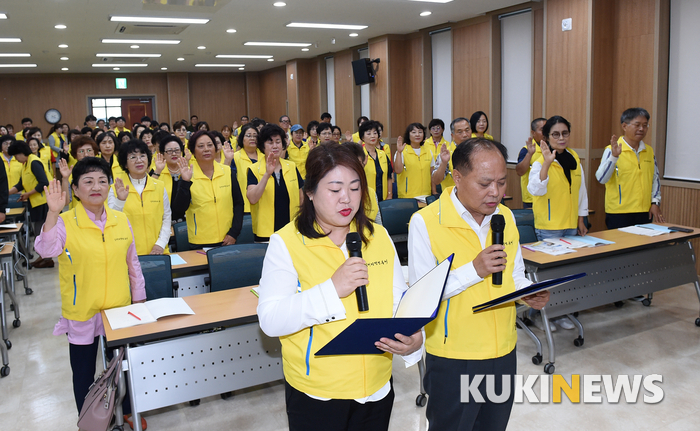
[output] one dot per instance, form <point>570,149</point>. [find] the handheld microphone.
<point>498,224</point>
<point>354,244</point>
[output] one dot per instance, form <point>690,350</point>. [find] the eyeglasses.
<point>88,151</point>
<point>172,152</point>
<point>286,121</point>
<point>135,157</point>
<point>436,128</point>
<point>250,136</point>
<point>556,135</point>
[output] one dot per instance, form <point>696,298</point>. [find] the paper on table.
<point>551,249</point>
<point>175,259</point>
<point>653,226</point>
<point>8,226</point>
<point>593,241</point>
<point>147,312</point>
<point>568,242</point>
<point>641,231</point>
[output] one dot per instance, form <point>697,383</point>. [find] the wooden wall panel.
<point>292,91</point>
<point>217,98</point>
<point>538,60</point>
<point>309,84</point>
<point>513,189</point>
<point>345,92</point>
<point>406,92</point>
<point>273,94</point>
<point>252,81</point>
<point>679,205</point>
<point>178,98</point>
<point>32,95</point>
<point>471,69</point>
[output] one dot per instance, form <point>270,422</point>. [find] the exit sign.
<point>121,83</point>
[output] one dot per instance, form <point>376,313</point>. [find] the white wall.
<point>364,89</point>
<point>330,84</point>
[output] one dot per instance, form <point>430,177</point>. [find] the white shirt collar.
<point>641,148</point>
<point>141,182</point>
<point>467,216</point>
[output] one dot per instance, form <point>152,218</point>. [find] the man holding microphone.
<point>460,342</point>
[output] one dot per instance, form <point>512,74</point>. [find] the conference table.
<point>634,265</point>
<point>179,358</point>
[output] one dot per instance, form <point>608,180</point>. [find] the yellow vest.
<point>373,204</point>
<point>243,162</point>
<point>167,181</point>
<point>299,156</point>
<point>210,202</point>
<point>117,171</point>
<point>436,148</point>
<point>145,212</point>
<point>45,157</point>
<point>629,188</point>
<point>525,179</point>
<point>486,135</point>
<point>13,168</point>
<point>92,269</point>
<point>29,182</point>
<point>371,171</point>
<point>558,208</point>
<point>341,376</point>
<point>263,212</point>
<point>73,202</point>
<point>415,179</point>
<point>356,137</point>
<point>449,180</point>
<point>456,332</point>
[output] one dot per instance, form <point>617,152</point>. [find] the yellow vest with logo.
<point>436,148</point>
<point>45,157</point>
<point>340,376</point>
<point>92,269</point>
<point>145,212</point>
<point>299,156</point>
<point>457,332</point>
<point>558,208</point>
<point>210,213</point>
<point>629,188</point>
<point>371,171</point>
<point>373,209</point>
<point>525,179</point>
<point>13,168</point>
<point>449,180</point>
<point>263,212</point>
<point>29,182</point>
<point>243,162</point>
<point>415,179</point>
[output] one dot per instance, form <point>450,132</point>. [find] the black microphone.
<point>354,244</point>
<point>498,224</point>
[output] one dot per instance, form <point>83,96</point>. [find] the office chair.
<point>234,266</point>
<point>158,274</point>
<point>182,242</point>
<point>246,236</point>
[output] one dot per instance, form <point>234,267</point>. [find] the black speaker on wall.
<point>363,71</point>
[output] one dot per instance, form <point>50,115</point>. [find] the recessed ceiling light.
<point>159,20</point>
<point>64,58</point>
<point>134,47</point>
<point>163,68</point>
<point>64,68</point>
<point>276,44</point>
<point>242,56</point>
<point>180,59</point>
<point>115,68</point>
<point>279,4</point>
<point>13,54</point>
<point>3,16</point>
<point>18,65</point>
<point>59,26</point>
<point>122,65</point>
<point>270,59</point>
<point>10,39</point>
<point>322,25</point>
<point>218,65</point>
<point>305,49</point>
<point>231,30</point>
<point>433,1</point>
<point>102,54</point>
<point>426,13</point>
<point>241,68</point>
<point>63,45</point>
<point>143,41</point>
<point>201,47</point>
<point>353,35</point>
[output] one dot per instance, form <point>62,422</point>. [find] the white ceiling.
<point>88,23</point>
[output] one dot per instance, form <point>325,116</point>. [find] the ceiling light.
<point>10,39</point>
<point>163,68</point>
<point>3,16</point>
<point>242,56</point>
<point>180,59</point>
<point>143,41</point>
<point>201,47</point>
<point>63,45</point>
<point>433,1</point>
<point>270,59</point>
<point>322,25</point>
<point>134,47</point>
<point>218,65</point>
<point>18,65</point>
<point>101,54</point>
<point>64,58</point>
<point>426,13</point>
<point>59,26</point>
<point>276,44</point>
<point>115,68</point>
<point>241,68</point>
<point>122,65</point>
<point>158,20</point>
<point>13,54</point>
<point>353,35</point>
<point>231,30</point>
<point>305,49</point>
<point>64,68</point>
<point>279,4</point>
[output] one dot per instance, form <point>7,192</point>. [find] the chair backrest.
<point>182,242</point>
<point>246,236</point>
<point>158,275</point>
<point>13,201</point>
<point>430,199</point>
<point>527,234</point>
<point>524,217</point>
<point>396,213</point>
<point>233,266</point>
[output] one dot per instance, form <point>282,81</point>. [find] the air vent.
<point>150,29</point>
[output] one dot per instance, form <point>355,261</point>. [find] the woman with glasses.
<point>325,133</point>
<point>479,123</point>
<point>180,130</point>
<point>436,128</point>
<point>81,147</point>
<point>244,158</point>
<point>143,199</point>
<point>312,138</point>
<point>412,163</point>
<point>167,168</point>
<point>557,184</point>
<point>380,175</point>
<point>108,151</point>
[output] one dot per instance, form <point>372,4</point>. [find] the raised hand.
<point>270,164</point>
<point>186,170</point>
<point>55,197</point>
<point>121,191</point>
<point>188,155</point>
<point>348,136</point>
<point>64,168</point>
<point>444,154</point>
<point>228,153</point>
<point>531,146</point>
<point>160,163</point>
<point>235,125</point>
<point>547,154</point>
<point>615,147</point>
<point>400,144</point>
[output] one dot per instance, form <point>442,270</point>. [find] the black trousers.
<point>82,362</point>
<point>307,414</point>
<point>442,381</point>
<point>615,221</point>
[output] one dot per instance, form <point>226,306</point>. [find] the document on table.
<point>175,259</point>
<point>578,241</point>
<point>548,248</point>
<point>644,231</point>
<point>662,229</point>
<point>8,226</point>
<point>146,312</point>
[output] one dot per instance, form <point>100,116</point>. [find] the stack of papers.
<point>146,312</point>
<point>549,248</point>
<point>645,231</point>
<point>175,259</point>
<point>578,241</point>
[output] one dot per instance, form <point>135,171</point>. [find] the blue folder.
<point>360,336</point>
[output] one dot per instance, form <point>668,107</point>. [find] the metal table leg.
<point>8,280</point>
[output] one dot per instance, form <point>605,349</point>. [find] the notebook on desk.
<point>146,312</point>
<point>418,306</point>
